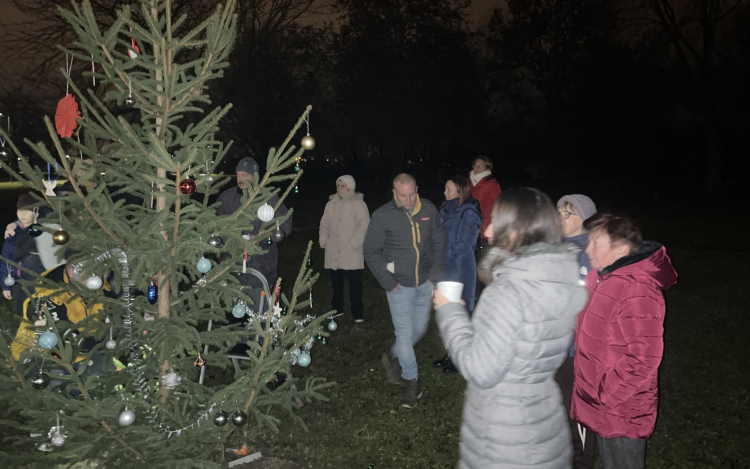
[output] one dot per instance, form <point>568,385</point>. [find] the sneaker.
<point>392,369</point>
<point>412,393</point>
<point>359,320</point>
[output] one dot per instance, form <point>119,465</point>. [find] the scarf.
<point>475,178</point>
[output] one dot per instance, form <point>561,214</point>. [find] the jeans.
<point>355,291</point>
<point>622,453</point>
<point>410,311</point>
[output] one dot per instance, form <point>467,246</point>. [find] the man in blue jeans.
<point>405,250</point>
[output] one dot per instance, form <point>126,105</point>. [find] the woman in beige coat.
<point>342,234</point>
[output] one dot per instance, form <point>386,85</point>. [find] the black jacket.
<point>415,244</point>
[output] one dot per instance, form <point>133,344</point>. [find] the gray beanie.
<point>348,180</point>
<point>247,165</point>
<point>584,205</point>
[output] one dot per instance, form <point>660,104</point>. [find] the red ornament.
<point>188,187</point>
<point>66,115</point>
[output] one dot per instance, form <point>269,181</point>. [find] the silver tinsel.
<point>171,380</point>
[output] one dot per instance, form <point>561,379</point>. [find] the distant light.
<point>103,174</point>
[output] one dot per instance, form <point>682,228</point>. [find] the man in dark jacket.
<point>405,250</point>
<point>267,263</point>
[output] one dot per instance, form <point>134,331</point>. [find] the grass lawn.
<point>704,417</point>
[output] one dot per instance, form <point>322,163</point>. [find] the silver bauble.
<point>215,241</point>
<point>208,180</point>
<point>9,281</point>
<point>221,418</point>
<point>278,236</point>
<point>171,380</point>
<point>332,326</point>
<point>239,418</point>
<point>59,439</point>
<point>130,101</point>
<point>40,380</point>
<point>111,344</point>
<point>127,417</point>
<point>94,282</point>
<point>4,153</point>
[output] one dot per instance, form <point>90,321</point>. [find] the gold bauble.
<point>308,143</point>
<point>60,237</point>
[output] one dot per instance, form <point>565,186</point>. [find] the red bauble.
<point>188,187</point>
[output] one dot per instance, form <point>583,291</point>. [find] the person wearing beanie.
<point>228,203</point>
<point>574,210</point>
<point>342,235</point>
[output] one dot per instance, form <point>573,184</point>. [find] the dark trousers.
<point>355,291</point>
<point>583,451</point>
<point>622,453</point>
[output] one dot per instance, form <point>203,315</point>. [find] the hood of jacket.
<point>649,264</point>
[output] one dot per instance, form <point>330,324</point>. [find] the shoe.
<point>450,369</point>
<point>392,369</point>
<point>412,393</point>
<point>446,360</point>
<point>359,320</point>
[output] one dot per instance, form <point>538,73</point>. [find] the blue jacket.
<point>462,225</point>
<point>21,249</point>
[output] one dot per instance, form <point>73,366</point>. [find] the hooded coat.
<point>619,345</point>
<point>508,352</point>
<point>342,231</point>
<point>462,225</point>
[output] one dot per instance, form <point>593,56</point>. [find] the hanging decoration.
<point>221,418</point>
<point>239,418</point>
<point>209,179</point>
<point>297,167</point>
<point>332,326</point>
<point>111,344</point>
<point>56,436</point>
<point>308,143</point>
<point>153,293</point>
<point>278,235</point>
<point>60,236</point>
<point>199,362</point>
<point>126,418</point>
<point>94,282</point>
<point>304,359</point>
<point>67,109</point>
<point>239,310</point>
<point>49,184</point>
<point>133,51</point>
<point>203,265</point>
<point>9,281</point>
<point>215,241</point>
<point>48,340</point>
<point>266,212</point>
<point>40,380</point>
<point>171,380</point>
<point>130,100</point>
<point>296,189</point>
<point>188,187</point>
<point>4,153</point>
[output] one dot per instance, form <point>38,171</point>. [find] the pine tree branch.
<point>122,441</point>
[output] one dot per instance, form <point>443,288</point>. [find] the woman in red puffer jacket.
<point>484,188</point>
<point>619,340</point>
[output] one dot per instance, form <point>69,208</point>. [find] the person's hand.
<point>7,294</point>
<point>396,289</point>
<point>438,300</point>
<point>10,230</point>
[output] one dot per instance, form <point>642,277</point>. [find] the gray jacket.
<point>405,249</point>
<point>509,351</point>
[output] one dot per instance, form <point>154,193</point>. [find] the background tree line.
<point>650,93</point>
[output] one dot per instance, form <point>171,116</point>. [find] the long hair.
<point>463,188</point>
<point>520,217</point>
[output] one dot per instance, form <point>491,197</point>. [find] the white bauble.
<point>265,212</point>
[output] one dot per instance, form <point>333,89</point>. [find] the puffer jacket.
<point>403,248</point>
<point>509,352</point>
<point>619,345</point>
<point>462,225</point>
<point>342,231</point>
<point>486,192</point>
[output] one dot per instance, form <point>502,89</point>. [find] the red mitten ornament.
<point>66,115</point>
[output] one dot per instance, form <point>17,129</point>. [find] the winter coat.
<point>486,192</point>
<point>342,231</point>
<point>20,248</point>
<point>403,248</point>
<point>584,267</point>
<point>509,352</point>
<point>266,263</point>
<point>462,225</point>
<point>619,345</point>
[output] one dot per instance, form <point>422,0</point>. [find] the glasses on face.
<point>565,214</point>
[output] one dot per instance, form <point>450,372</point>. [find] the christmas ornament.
<point>215,241</point>
<point>127,417</point>
<point>239,418</point>
<point>59,439</point>
<point>332,326</point>
<point>269,241</point>
<point>239,310</point>
<point>171,380</point>
<point>204,265</point>
<point>296,352</point>
<point>278,235</point>
<point>152,293</point>
<point>35,230</point>
<point>40,380</point>
<point>324,341</point>
<point>283,312</point>
<point>56,436</point>
<point>296,189</point>
<point>48,340</point>
<point>188,187</point>
<point>221,418</point>
<point>9,281</point>
<point>265,212</point>
<point>308,143</point>
<point>130,101</point>
<point>60,237</point>
<point>111,344</point>
<point>309,262</point>
<point>199,362</point>
<point>297,167</point>
<point>66,115</point>
<point>133,51</point>
<point>4,153</point>
<point>304,359</point>
<point>319,337</point>
<point>94,282</point>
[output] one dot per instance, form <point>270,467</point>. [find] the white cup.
<point>451,290</point>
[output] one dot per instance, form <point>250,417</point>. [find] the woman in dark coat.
<point>462,220</point>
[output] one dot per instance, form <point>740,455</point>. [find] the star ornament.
<point>276,311</point>
<point>66,115</point>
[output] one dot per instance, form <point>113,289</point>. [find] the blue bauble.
<point>239,310</point>
<point>296,352</point>
<point>35,230</point>
<point>48,340</point>
<point>204,265</point>
<point>153,293</point>
<point>304,359</point>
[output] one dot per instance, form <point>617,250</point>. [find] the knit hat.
<point>24,200</point>
<point>348,180</point>
<point>584,205</point>
<point>247,165</point>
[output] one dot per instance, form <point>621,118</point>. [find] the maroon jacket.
<point>619,345</point>
<point>486,192</point>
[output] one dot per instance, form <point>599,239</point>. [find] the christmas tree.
<point>153,267</point>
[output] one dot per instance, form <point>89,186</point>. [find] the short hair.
<point>404,178</point>
<point>463,188</point>
<point>620,228</point>
<point>487,162</point>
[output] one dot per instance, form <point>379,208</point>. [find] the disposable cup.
<point>451,290</point>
